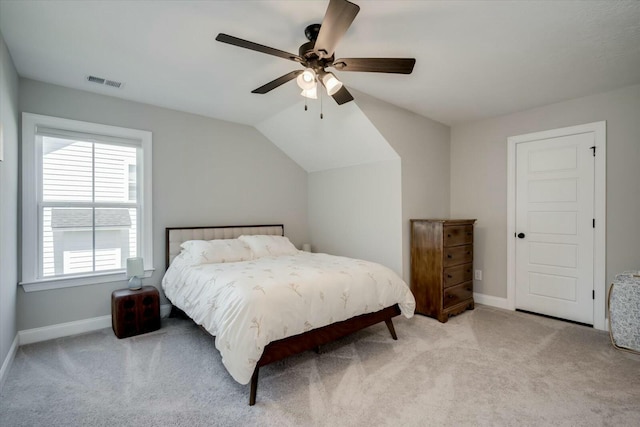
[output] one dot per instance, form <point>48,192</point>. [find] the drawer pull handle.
<point>468,252</point>
<point>469,234</point>
<point>449,276</point>
<point>449,256</point>
<point>448,235</point>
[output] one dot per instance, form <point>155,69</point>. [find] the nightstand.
<point>135,312</point>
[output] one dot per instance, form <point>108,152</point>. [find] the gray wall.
<point>479,177</point>
<point>205,172</point>
<point>356,212</point>
<point>423,147</point>
<point>8,200</point>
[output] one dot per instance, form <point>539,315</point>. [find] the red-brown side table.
<point>135,312</point>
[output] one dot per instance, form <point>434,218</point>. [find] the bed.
<point>275,301</point>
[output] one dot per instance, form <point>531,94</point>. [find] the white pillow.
<point>269,245</point>
<point>215,251</point>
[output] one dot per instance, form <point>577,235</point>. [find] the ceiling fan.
<point>318,53</point>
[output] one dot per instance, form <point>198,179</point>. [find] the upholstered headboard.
<point>175,236</point>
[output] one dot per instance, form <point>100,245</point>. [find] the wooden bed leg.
<point>177,313</point>
<point>317,349</point>
<point>174,312</point>
<point>391,329</point>
<point>254,387</point>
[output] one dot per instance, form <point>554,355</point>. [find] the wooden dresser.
<point>442,266</point>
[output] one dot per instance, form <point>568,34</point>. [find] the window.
<point>86,201</point>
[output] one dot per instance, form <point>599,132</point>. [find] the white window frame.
<point>31,162</point>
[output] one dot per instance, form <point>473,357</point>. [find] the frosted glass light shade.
<point>307,79</point>
<point>331,83</point>
<point>310,93</point>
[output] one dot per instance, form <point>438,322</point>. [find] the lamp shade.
<point>135,267</point>
<point>331,83</point>
<point>307,79</point>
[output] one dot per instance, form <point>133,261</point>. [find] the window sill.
<point>70,282</point>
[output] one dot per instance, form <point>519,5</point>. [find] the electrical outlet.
<point>478,275</point>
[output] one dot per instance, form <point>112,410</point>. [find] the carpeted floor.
<point>484,367</point>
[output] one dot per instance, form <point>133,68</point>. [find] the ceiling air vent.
<point>101,81</point>
<point>94,79</point>
<point>112,83</point>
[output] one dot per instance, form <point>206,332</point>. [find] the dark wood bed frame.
<point>313,339</point>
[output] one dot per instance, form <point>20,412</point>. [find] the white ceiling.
<point>344,138</point>
<point>475,59</point>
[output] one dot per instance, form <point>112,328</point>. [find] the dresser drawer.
<point>457,255</point>
<point>457,274</point>
<point>457,235</point>
<point>457,294</point>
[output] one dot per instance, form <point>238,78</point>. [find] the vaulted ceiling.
<point>475,59</point>
<point>346,138</point>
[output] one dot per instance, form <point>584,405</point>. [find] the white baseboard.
<point>8,361</point>
<point>491,300</point>
<point>45,333</point>
<point>60,330</point>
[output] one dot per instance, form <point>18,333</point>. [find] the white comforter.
<point>249,304</point>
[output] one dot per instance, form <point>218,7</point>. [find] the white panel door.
<point>554,226</point>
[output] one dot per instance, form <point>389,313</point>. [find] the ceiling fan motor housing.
<point>311,58</point>
<point>306,51</point>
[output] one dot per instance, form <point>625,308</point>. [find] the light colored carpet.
<point>484,367</point>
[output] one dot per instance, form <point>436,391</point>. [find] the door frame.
<point>599,129</point>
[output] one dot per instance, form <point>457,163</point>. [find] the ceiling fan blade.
<point>226,38</point>
<point>337,20</point>
<point>376,65</point>
<point>277,82</point>
<point>342,96</point>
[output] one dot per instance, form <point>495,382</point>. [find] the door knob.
<point>520,235</point>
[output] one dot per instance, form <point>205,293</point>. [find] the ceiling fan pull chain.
<point>321,116</point>
<point>305,103</point>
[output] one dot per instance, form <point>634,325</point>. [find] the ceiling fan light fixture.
<point>331,83</point>
<point>307,79</point>
<point>319,53</point>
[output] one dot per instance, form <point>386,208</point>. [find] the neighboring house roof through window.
<point>76,218</point>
